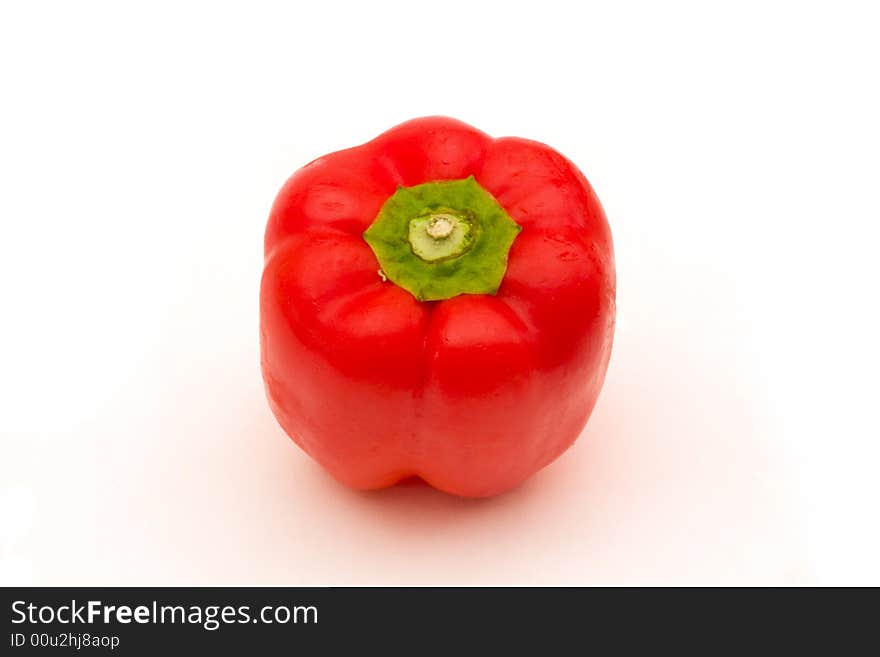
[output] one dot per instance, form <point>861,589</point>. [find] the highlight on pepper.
<point>436,303</point>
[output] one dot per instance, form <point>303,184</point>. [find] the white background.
<point>735,150</point>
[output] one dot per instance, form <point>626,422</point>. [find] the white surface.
<point>735,151</point>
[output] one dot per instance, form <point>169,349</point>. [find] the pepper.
<point>436,303</point>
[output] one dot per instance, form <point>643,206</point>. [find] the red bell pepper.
<point>436,303</point>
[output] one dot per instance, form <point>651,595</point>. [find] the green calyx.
<point>441,239</point>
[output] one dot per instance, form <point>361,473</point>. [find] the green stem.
<point>441,239</point>
<point>439,236</point>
